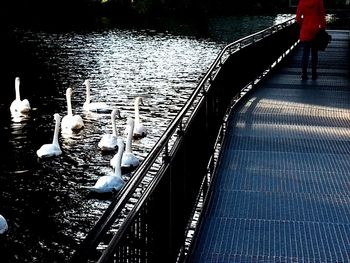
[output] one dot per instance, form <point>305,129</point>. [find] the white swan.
<point>53,149</point>
<point>19,106</point>
<point>93,106</point>
<point>139,129</point>
<point>129,160</point>
<point>71,122</point>
<point>110,183</point>
<point>108,142</point>
<point>3,225</point>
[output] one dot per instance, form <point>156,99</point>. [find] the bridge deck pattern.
<point>282,189</point>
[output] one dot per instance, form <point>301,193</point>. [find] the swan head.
<point>17,81</point>
<point>115,113</point>
<point>87,82</point>
<point>139,101</point>
<point>57,117</point>
<point>69,92</point>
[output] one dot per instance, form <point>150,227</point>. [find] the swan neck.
<point>18,96</point>
<point>129,139</point>
<point>118,163</point>
<point>88,96</point>
<point>69,104</point>
<point>137,112</point>
<point>114,129</point>
<point>57,130</point>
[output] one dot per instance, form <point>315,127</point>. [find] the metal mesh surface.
<point>282,190</point>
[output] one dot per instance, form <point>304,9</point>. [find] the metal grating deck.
<point>282,191</point>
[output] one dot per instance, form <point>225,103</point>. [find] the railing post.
<point>180,130</point>
<point>166,157</point>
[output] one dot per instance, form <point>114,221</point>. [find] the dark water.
<point>47,211</point>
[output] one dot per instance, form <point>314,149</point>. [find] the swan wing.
<point>97,107</point>
<point>25,105</point>
<point>77,122</point>
<point>101,185</point>
<point>20,106</point>
<point>108,142</point>
<point>139,131</point>
<point>72,122</point>
<point>48,150</point>
<point>95,189</point>
<point>130,160</point>
<point>13,106</point>
<point>106,183</point>
<point>109,182</point>
<point>66,123</point>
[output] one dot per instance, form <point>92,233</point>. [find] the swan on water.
<point>19,106</point>
<point>129,160</point>
<point>108,142</point>
<point>3,225</point>
<point>71,122</point>
<point>93,106</point>
<point>53,149</point>
<point>111,183</point>
<point>139,129</point>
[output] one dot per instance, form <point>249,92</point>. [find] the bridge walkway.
<point>282,189</point>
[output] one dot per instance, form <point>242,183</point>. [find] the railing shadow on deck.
<point>154,211</point>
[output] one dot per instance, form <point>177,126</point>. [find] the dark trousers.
<point>309,46</point>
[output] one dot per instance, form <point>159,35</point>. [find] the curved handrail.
<point>119,201</point>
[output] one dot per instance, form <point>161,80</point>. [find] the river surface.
<point>47,210</point>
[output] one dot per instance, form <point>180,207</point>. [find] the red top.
<point>311,16</point>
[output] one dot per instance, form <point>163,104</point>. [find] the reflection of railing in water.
<point>178,168</point>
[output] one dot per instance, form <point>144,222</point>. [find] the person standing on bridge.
<point>311,17</point>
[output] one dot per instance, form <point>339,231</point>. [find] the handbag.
<point>322,39</point>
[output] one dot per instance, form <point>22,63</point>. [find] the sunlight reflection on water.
<point>47,210</point>
<point>121,65</point>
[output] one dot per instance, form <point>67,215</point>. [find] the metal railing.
<point>152,212</point>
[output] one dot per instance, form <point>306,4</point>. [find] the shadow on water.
<point>47,211</point>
